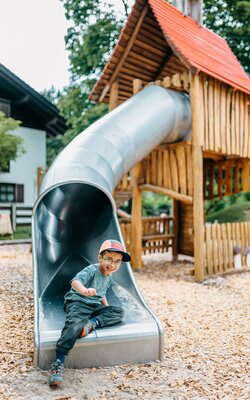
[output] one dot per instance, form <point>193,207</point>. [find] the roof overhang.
<point>29,106</point>
<point>158,41</point>
<point>141,52</point>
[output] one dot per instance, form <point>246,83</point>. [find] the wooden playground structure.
<point>214,163</point>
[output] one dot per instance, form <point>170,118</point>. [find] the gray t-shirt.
<point>90,277</point>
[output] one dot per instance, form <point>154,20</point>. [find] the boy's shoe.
<point>88,327</point>
<point>56,373</point>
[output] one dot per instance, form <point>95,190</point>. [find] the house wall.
<point>24,169</point>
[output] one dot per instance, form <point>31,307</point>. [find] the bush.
<point>247,196</point>
<point>235,213</point>
<point>155,204</point>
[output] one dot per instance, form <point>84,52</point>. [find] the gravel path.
<point>207,338</point>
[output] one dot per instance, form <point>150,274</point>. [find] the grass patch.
<point>236,213</point>
<point>22,232</point>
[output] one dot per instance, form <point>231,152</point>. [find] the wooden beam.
<point>143,59</point>
<point>163,63</point>
<point>197,163</point>
<point>168,192</point>
<point>125,53</point>
<point>123,214</point>
<point>213,155</point>
<point>160,236</point>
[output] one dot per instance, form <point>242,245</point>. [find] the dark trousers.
<point>77,314</point>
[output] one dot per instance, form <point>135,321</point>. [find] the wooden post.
<point>40,174</point>
<point>137,85</point>
<point>175,229</point>
<point>136,224</point>
<point>136,227</point>
<point>245,175</point>
<point>13,216</point>
<point>197,162</point>
<point>113,99</point>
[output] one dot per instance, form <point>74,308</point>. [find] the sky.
<point>32,42</point>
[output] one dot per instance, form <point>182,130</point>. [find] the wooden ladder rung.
<point>158,237</point>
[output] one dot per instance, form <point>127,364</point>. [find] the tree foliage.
<point>89,41</point>
<point>231,20</point>
<point>11,146</point>
<point>92,36</point>
<point>53,95</point>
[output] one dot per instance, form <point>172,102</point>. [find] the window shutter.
<point>19,193</point>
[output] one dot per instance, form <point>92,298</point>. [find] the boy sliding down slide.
<point>86,305</point>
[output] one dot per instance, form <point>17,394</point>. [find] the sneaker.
<point>88,327</point>
<point>56,373</point>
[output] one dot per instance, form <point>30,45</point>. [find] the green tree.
<point>11,146</point>
<point>89,41</point>
<point>52,94</point>
<point>231,20</point>
<point>79,114</point>
<point>92,36</point>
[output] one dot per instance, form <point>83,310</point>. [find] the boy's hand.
<point>80,288</point>
<point>90,292</point>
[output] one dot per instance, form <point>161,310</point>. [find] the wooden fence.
<point>19,215</point>
<point>226,118</point>
<point>220,240</point>
<point>157,233</point>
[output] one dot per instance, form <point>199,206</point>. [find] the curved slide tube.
<point>75,213</point>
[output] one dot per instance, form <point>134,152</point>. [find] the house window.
<point>11,193</point>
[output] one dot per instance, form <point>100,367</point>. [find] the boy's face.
<point>110,262</point>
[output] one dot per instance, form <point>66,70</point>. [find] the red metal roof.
<point>199,47</point>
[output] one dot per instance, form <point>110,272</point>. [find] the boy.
<point>86,304</point>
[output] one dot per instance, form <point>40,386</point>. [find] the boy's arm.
<point>80,288</point>
<point>105,301</point>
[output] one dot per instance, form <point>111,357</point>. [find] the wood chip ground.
<point>207,338</point>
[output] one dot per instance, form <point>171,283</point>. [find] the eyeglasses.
<point>110,261</point>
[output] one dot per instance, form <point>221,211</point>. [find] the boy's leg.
<point>77,314</point>
<point>108,315</point>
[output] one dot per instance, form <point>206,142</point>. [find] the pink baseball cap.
<point>114,245</point>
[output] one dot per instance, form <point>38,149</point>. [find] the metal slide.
<point>75,213</point>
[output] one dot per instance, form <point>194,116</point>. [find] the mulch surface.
<point>207,338</point>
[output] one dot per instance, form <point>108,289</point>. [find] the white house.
<point>40,118</point>
<point>19,185</point>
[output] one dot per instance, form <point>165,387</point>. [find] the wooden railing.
<point>220,240</point>
<point>157,233</point>
<point>170,166</point>
<point>226,177</point>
